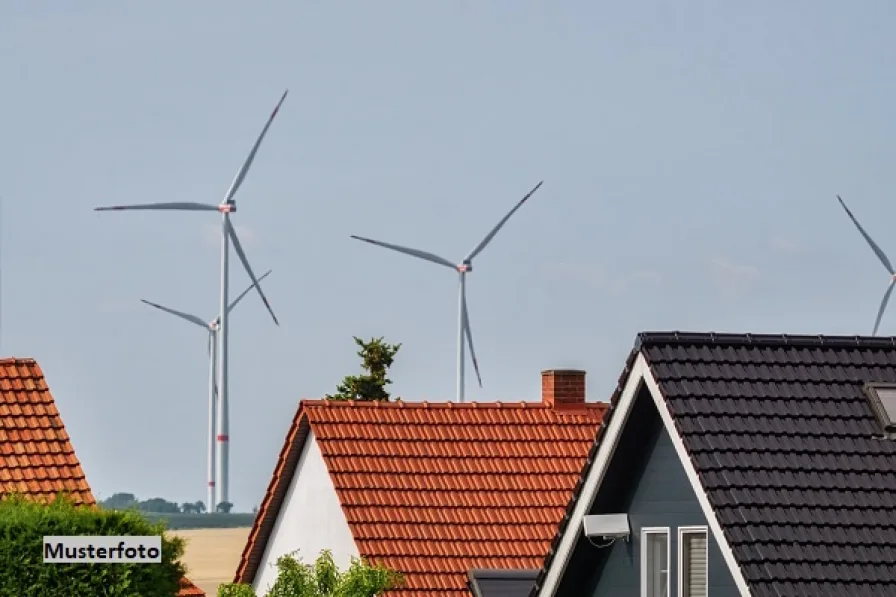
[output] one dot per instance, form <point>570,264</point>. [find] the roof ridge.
<point>447,405</point>
<point>772,340</point>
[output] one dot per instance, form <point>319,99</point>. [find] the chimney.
<point>562,386</point>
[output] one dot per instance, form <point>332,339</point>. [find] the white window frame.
<point>645,531</point>
<point>692,530</point>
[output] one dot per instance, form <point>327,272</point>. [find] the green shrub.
<point>233,590</point>
<point>23,525</point>
<point>322,579</point>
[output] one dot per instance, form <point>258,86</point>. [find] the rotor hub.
<point>465,267</point>
<point>227,208</point>
<point>213,325</point>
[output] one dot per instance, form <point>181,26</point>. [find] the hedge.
<point>23,525</point>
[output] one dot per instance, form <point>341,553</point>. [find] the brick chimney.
<point>562,386</point>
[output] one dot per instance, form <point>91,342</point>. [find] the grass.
<point>212,555</point>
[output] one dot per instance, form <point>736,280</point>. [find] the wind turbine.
<point>212,328</point>
<point>228,235</point>
<point>464,268</point>
<point>883,259</point>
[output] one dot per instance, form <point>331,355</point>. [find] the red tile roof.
<point>36,457</point>
<point>37,460</point>
<point>433,490</point>
<point>188,589</point>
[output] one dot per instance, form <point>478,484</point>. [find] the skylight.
<point>883,402</point>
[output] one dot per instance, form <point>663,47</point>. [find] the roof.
<point>788,453</point>
<point>37,460</point>
<point>188,589</point>
<point>501,583</point>
<point>36,456</point>
<point>433,490</point>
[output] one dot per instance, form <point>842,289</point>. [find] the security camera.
<point>606,526</point>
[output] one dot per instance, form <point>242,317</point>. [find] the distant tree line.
<point>157,505</point>
<point>377,356</point>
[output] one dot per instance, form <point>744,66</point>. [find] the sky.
<point>691,153</point>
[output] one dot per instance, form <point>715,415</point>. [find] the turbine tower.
<point>464,268</point>
<point>212,329</point>
<point>228,236</point>
<point>883,259</point>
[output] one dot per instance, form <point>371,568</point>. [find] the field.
<point>212,555</point>
<point>203,521</point>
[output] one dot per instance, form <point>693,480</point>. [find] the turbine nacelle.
<point>227,208</point>
<point>465,268</point>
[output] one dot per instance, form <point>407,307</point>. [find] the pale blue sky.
<point>691,152</point>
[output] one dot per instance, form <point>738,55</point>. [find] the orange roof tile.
<point>433,490</point>
<point>37,460</point>
<point>186,588</point>
<point>36,457</point>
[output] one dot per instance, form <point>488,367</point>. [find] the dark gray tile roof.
<point>788,450</point>
<point>501,583</point>
<point>790,454</point>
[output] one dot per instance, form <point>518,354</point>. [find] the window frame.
<point>690,530</point>
<point>886,419</point>
<point>645,532</point>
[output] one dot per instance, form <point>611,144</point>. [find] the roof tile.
<point>435,489</point>
<point>37,460</point>
<point>790,454</point>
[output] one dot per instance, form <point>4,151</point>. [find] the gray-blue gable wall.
<point>646,480</point>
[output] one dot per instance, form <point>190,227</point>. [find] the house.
<point>735,465</point>
<point>431,490</point>
<point>37,460</point>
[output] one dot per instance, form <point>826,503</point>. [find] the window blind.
<point>694,564</point>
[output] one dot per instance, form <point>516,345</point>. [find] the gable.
<point>637,413</point>
<point>432,490</point>
<point>647,481</point>
<point>310,520</point>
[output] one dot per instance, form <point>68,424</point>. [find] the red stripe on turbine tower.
<point>223,438</point>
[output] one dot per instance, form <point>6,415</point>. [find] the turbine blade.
<point>191,318</point>
<point>238,179</point>
<point>883,306</point>
<point>877,250</point>
<point>247,291</point>
<point>242,255</point>
<point>177,206</point>
<point>209,344</point>
<point>469,335</point>
<point>488,238</point>
<point>407,251</point>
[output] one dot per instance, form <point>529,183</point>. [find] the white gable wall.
<point>310,520</point>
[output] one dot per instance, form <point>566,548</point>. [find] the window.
<point>693,566</point>
<point>882,398</point>
<point>655,562</point>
